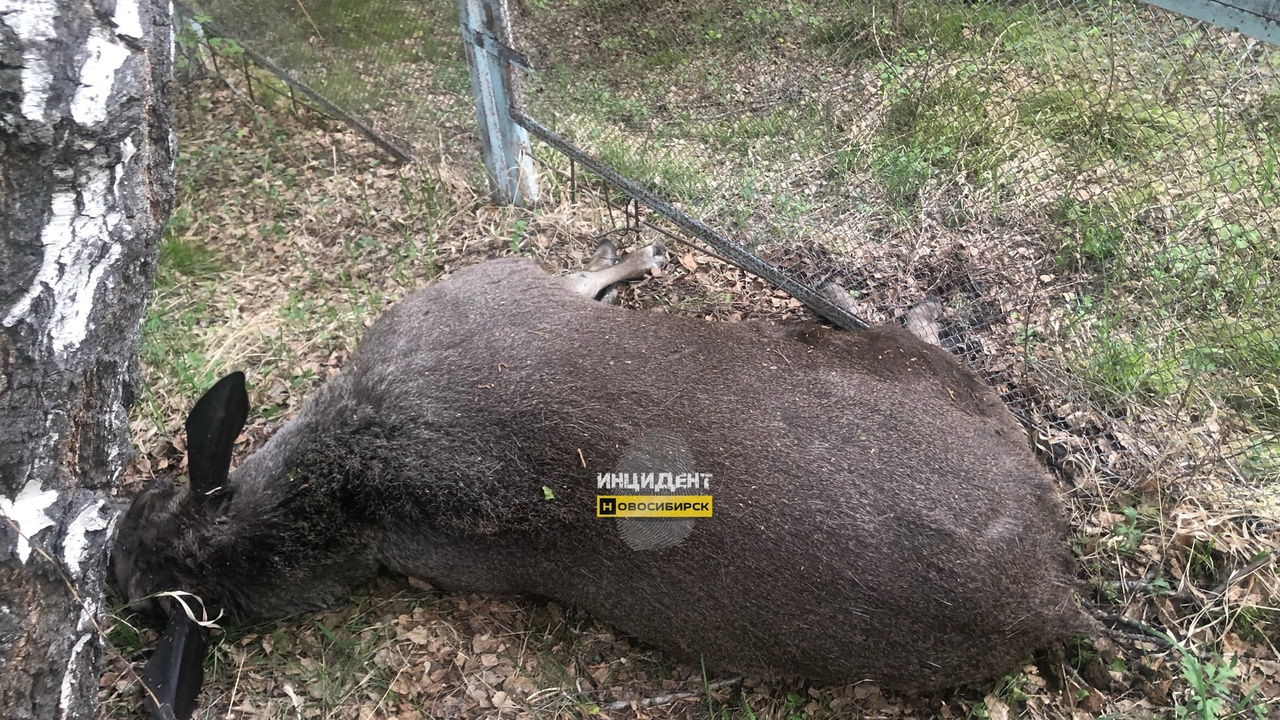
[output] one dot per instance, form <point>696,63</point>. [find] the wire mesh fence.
<point>393,65</point>
<point>1077,197</point>
<point>1080,198</point>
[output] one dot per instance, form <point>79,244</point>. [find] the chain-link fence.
<point>1088,189</point>
<point>1078,197</point>
<point>395,66</point>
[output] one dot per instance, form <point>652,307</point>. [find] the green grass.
<point>661,33</point>
<point>1161,360</point>
<point>1267,113</point>
<point>396,64</point>
<point>123,633</point>
<point>1125,366</point>
<point>902,172</point>
<point>1093,235</point>
<point>948,121</point>
<point>186,272</point>
<point>660,172</point>
<point>183,256</point>
<point>254,195</point>
<point>612,106</point>
<point>1158,200</point>
<point>397,31</point>
<point>872,30</point>
<point>1164,318</point>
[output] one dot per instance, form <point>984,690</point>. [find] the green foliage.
<point>1092,232</point>
<point>1095,125</point>
<point>795,703</point>
<point>1126,534</point>
<point>169,324</point>
<point>169,341</point>
<point>902,171</point>
<point>1208,686</point>
<point>189,38</point>
<point>122,635</point>
<point>946,120</point>
<point>612,106</point>
<point>357,25</point>
<point>1210,679</point>
<point>1121,366</point>
<point>660,172</point>
<point>515,240</point>
<point>1261,462</point>
<point>182,255</point>
<point>884,28</point>
<point>1266,114</point>
<point>1256,623</point>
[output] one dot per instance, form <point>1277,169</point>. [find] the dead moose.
<point>878,513</point>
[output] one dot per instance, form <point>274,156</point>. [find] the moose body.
<point>877,512</point>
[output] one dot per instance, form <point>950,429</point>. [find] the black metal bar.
<point>267,86</point>
<point>248,79</point>
<point>608,205</point>
<point>679,239</point>
<point>213,56</point>
<point>730,250</point>
<point>505,53</point>
<point>372,135</point>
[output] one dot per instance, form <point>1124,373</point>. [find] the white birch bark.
<point>86,185</point>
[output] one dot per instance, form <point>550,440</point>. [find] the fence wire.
<point>394,65</point>
<point>1086,191</point>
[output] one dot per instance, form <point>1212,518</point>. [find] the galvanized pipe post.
<point>1256,18</point>
<point>507,154</point>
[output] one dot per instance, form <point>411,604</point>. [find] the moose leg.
<point>593,282</point>
<point>922,320</point>
<point>605,256</point>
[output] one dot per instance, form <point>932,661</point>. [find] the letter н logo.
<point>607,506</point>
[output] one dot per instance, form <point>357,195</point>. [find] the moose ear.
<point>212,428</point>
<point>175,672</point>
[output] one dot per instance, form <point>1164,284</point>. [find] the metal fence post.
<point>507,155</point>
<point>1256,18</point>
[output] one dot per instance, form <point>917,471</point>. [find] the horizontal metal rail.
<point>336,112</point>
<point>730,250</point>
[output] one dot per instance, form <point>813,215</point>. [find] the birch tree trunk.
<point>86,185</point>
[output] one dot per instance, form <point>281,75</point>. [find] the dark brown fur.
<point>878,513</point>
